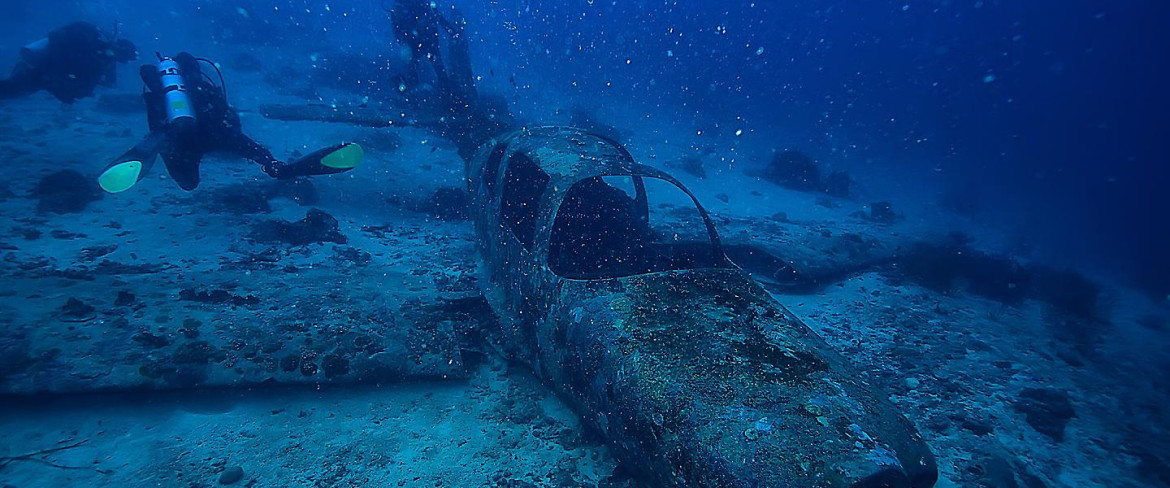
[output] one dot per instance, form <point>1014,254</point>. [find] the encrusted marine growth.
<point>692,372</point>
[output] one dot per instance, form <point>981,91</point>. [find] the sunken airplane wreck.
<point>611,283</point>
<point>692,372</point>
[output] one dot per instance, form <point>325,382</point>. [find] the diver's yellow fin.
<point>120,177</point>
<point>349,156</point>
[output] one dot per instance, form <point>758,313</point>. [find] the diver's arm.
<point>150,78</point>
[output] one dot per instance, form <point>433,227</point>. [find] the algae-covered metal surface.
<point>705,378</point>
<point>696,377</point>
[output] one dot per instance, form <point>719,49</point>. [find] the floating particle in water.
<point>759,51</point>
<point>990,78</point>
<point>763,425</point>
<point>738,132</point>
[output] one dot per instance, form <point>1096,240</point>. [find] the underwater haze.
<point>579,243</point>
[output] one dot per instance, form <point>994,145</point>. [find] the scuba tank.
<point>35,52</point>
<point>179,109</point>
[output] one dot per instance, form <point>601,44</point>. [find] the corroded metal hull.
<point>700,379</point>
<point>695,377</point>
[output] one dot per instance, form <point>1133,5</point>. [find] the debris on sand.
<point>76,310</point>
<point>1046,410</point>
<point>65,191</point>
<point>231,476</point>
<point>316,227</point>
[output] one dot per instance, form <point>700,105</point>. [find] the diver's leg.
<point>238,143</point>
<point>10,88</point>
<point>21,83</point>
<point>460,74</point>
<point>334,159</point>
<point>410,78</point>
<point>252,150</point>
<point>330,160</point>
<point>131,167</point>
<point>182,162</point>
<point>441,80</point>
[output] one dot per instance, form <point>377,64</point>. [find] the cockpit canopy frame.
<point>532,174</point>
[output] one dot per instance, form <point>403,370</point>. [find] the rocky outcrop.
<point>317,227</point>
<point>66,191</point>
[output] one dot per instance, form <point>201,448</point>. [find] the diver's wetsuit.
<point>215,127</point>
<point>76,60</point>
<point>416,25</point>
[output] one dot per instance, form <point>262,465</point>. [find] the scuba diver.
<point>416,26</point>
<point>189,116</point>
<point>471,118</point>
<point>69,63</point>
